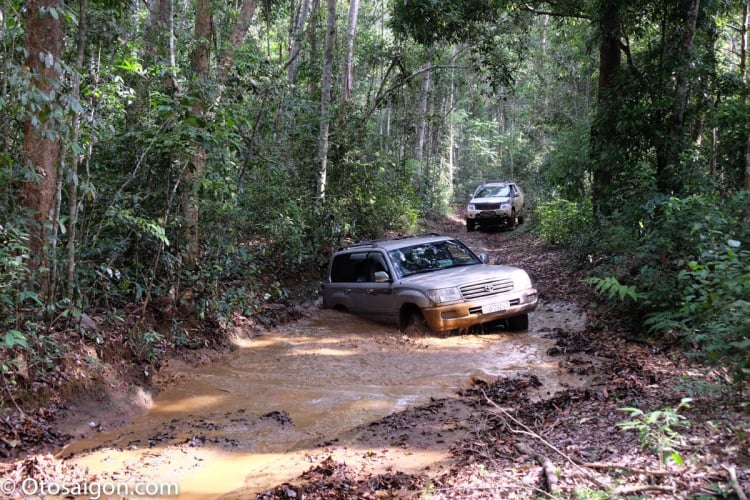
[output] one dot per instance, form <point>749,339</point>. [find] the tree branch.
<point>548,467</point>
<point>529,8</point>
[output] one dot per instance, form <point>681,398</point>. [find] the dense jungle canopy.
<point>181,152</point>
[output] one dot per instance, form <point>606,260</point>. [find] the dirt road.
<point>335,407</point>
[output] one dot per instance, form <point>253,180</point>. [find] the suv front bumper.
<point>462,315</point>
<point>490,216</point>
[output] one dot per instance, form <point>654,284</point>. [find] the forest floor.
<point>501,440</point>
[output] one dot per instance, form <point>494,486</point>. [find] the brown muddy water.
<point>256,418</point>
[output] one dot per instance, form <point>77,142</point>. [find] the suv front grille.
<point>486,289</point>
<point>486,206</point>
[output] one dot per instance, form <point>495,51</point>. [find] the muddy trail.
<point>332,406</point>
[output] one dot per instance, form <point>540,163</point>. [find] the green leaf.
<point>15,338</point>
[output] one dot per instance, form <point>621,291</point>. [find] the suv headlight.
<point>445,295</point>
<point>471,206</point>
<point>504,206</point>
<point>521,280</point>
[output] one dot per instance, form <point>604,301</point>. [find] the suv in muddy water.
<point>427,282</point>
<point>495,203</point>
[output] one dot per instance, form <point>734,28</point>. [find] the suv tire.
<point>415,325</point>
<point>470,225</point>
<point>518,323</point>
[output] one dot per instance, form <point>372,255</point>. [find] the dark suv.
<point>432,280</point>
<point>495,203</point>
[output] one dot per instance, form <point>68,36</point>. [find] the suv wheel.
<point>414,324</point>
<point>470,225</point>
<point>518,323</point>
<point>512,220</point>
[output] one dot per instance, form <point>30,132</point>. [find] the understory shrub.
<point>563,222</point>
<point>694,278</point>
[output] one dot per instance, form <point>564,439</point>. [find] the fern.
<point>612,288</point>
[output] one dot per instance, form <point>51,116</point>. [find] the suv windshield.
<point>494,192</point>
<point>431,257</point>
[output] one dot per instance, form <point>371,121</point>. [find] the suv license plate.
<point>495,307</point>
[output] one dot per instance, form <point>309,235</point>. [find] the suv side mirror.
<point>484,258</point>
<point>381,277</point>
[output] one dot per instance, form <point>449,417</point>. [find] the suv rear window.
<point>356,267</point>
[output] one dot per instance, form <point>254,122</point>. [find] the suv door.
<point>517,198</point>
<point>354,285</point>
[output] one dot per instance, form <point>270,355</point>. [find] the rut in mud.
<point>251,420</point>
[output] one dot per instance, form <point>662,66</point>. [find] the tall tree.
<point>349,62</point>
<point>743,72</point>
<point>604,136</point>
<point>325,98</point>
<point>41,145</point>
<point>296,42</point>
<point>422,114</point>
<point>198,156</point>
<point>668,175</point>
<point>202,100</point>
<point>74,162</point>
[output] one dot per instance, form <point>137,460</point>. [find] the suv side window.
<point>356,267</point>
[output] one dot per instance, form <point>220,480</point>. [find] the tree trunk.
<point>501,130</point>
<point>668,178</point>
<point>74,156</point>
<point>603,132</point>
<point>743,72</point>
<point>244,18</point>
<point>422,118</point>
<point>349,64</point>
<point>198,157</point>
<point>325,99</point>
<point>296,42</point>
<point>160,47</point>
<point>41,147</point>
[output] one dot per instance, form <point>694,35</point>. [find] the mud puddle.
<point>281,401</point>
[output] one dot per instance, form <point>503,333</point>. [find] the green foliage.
<point>612,288</point>
<point>370,199</point>
<point>713,312</point>
<point>144,344</point>
<point>657,430</point>
<point>695,277</point>
<point>562,222</point>
<point>15,297</point>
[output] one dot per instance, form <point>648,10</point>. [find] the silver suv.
<point>428,281</point>
<point>495,203</point>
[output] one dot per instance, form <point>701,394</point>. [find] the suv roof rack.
<point>374,243</point>
<point>497,182</point>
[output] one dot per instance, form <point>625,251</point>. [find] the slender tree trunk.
<point>198,157</point>
<point>451,130</point>
<point>669,179</point>
<point>349,64</point>
<point>312,36</point>
<point>44,38</point>
<point>325,99</point>
<point>501,130</point>
<point>74,156</point>
<point>422,117</point>
<point>743,70</point>
<point>603,132</point>
<point>296,42</point>
<point>244,18</point>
